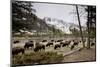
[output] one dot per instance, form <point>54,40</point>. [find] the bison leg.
<point>72,47</point>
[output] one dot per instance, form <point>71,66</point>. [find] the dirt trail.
<point>83,55</point>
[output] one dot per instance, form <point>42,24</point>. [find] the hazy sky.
<point>59,11</point>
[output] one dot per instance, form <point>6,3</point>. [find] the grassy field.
<point>37,58</point>
<point>54,56</point>
<point>49,55</point>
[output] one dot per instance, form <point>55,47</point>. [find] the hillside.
<point>60,24</point>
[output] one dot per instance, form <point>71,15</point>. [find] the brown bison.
<point>16,41</point>
<point>39,47</point>
<point>72,47</point>
<point>92,44</point>
<point>17,50</point>
<point>75,43</point>
<point>66,43</point>
<point>28,44</point>
<point>52,40</point>
<point>44,40</point>
<point>49,43</point>
<point>59,40</point>
<point>57,46</point>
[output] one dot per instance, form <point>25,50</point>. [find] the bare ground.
<point>83,55</point>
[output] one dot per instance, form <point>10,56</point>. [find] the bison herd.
<point>56,44</point>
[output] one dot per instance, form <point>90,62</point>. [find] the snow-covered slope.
<point>60,24</point>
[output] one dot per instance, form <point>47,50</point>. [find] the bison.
<point>92,44</point>
<point>16,41</point>
<point>67,43</point>
<point>39,47</point>
<point>72,47</point>
<point>75,43</point>
<point>44,40</point>
<point>17,50</point>
<point>49,43</point>
<point>28,44</point>
<point>57,46</point>
<point>59,40</point>
<point>52,40</point>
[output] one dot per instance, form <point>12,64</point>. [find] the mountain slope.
<point>60,24</point>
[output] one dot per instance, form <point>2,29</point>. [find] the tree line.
<point>91,24</point>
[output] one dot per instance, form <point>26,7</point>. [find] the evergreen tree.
<point>22,15</point>
<point>91,23</point>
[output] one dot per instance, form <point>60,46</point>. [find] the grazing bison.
<point>75,43</point>
<point>44,41</point>
<point>59,40</point>
<point>28,44</point>
<point>16,41</point>
<point>49,43</point>
<point>72,47</point>
<point>17,50</point>
<point>57,46</point>
<point>67,43</point>
<point>92,44</point>
<point>37,48</point>
<point>52,40</point>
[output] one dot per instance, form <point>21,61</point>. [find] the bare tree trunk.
<point>88,29</point>
<point>80,25</point>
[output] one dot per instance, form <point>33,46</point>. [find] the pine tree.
<point>22,15</point>
<point>91,23</point>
